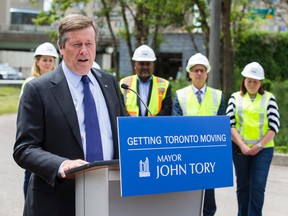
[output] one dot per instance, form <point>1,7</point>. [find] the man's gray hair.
<point>74,22</point>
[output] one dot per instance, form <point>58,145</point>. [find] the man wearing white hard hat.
<point>198,99</point>
<point>254,120</point>
<point>154,91</point>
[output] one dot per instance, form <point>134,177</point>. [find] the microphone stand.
<point>124,86</point>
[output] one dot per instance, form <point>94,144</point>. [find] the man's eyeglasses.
<point>198,70</point>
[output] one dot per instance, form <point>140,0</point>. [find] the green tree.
<point>151,18</point>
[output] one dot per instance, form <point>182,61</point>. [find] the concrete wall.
<point>26,4</point>
<point>5,6</point>
<point>4,15</point>
<point>280,159</point>
<point>21,61</point>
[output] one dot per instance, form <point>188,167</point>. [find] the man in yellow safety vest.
<point>154,91</point>
<point>198,99</point>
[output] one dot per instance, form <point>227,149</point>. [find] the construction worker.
<point>198,99</point>
<point>154,91</point>
<point>45,57</point>
<point>254,120</point>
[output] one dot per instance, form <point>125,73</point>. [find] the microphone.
<point>124,86</point>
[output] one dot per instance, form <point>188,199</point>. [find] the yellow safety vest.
<point>251,117</point>
<point>190,105</point>
<point>158,93</point>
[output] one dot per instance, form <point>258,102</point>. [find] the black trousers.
<point>27,175</point>
<point>209,207</point>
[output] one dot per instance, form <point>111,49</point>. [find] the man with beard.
<point>154,91</point>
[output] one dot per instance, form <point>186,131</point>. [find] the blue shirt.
<point>144,88</point>
<point>76,89</point>
<point>203,90</point>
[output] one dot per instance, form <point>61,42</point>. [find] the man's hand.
<point>70,164</point>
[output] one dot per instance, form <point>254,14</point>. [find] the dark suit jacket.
<point>48,133</point>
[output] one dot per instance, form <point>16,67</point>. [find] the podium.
<point>98,192</point>
<point>165,165</point>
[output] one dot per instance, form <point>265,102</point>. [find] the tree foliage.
<point>149,18</point>
<point>152,18</point>
<point>267,48</point>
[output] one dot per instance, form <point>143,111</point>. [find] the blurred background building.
<point>19,36</point>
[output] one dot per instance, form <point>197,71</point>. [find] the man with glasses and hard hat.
<point>198,99</point>
<point>154,91</point>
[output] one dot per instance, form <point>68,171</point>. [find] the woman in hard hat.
<point>254,119</point>
<point>45,57</point>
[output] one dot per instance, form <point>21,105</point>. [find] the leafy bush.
<point>280,90</point>
<point>267,48</point>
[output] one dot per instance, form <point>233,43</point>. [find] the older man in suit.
<point>51,125</point>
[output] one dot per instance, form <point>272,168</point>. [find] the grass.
<point>9,99</point>
<point>281,149</point>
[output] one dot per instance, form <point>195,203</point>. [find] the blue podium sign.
<point>173,154</point>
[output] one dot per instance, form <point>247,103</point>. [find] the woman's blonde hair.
<point>35,70</point>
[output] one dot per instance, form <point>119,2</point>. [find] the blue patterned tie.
<point>93,137</point>
<point>199,92</point>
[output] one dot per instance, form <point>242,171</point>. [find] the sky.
<point>47,4</point>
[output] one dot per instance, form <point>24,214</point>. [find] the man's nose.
<point>83,50</point>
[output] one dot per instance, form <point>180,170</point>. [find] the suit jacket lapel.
<point>104,85</point>
<point>61,92</point>
<point>107,87</point>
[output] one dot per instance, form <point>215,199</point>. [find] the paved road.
<point>276,195</point>
<point>11,181</point>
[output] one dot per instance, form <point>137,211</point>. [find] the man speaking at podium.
<point>145,94</point>
<point>198,99</point>
<point>58,120</point>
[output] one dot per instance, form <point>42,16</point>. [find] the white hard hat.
<point>95,65</point>
<point>198,59</point>
<point>144,53</point>
<point>253,70</point>
<point>46,49</point>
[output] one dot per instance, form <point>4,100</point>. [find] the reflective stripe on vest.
<point>251,117</point>
<point>190,105</point>
<point>158,93</point>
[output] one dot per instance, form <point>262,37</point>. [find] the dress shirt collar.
<point>74,78</point>
<point>145,83</point>
<point>203,89</point>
